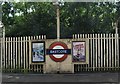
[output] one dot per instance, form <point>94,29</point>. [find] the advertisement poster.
<point>79,52</point>
<point>38,51</point>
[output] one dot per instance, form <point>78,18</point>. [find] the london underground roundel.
<point>58,51</point>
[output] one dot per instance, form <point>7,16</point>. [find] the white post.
<point>117,43</point>
<point>58,23</point>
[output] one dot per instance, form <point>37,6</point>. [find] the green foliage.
<point>35,18</point>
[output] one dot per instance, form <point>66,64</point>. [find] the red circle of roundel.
<point>56,44</point>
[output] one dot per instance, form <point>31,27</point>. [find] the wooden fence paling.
<point>6,53</point>
<point>110,51</point>
<point>16,56</point>
<point>24,63</point>
<point>26,53</point>
<point>115,50</point>
<point>118,50</point>
<point>91,51</point>
<point>14,53</point>
<point>99,50</point>
<point>107,51</point>
<point>104,52</point>
<point>96,56</point>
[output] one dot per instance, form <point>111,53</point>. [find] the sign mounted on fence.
<point>58,51</point>
<point>79,51</point>
<point>38,51</point>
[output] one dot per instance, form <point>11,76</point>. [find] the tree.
<point>31,18</point>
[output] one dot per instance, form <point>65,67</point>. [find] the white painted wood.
<point>26,58</point>
<point>83,36</point>
<point>24,52</point>
<point>115,49</point>
<point>88,51</point>
<point>110,50</point>
<point>33,37</point>
<point>78,35</point>
<point>29,56</point>
<point>44,36</point>
<point>107,50</point>
<point>6,49</point>
<point>11,52</point>
<point>118,50</point>
<point>96,50</point>
<point>93,52</point>
<point>104,50</point>
<point>14,52</point>
<point>101,51</point>
<point>21,51</point>
<point>16,56</point>
<point>39,37</point>
<point>75,36</point>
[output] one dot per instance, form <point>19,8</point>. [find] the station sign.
<point>58,51</point>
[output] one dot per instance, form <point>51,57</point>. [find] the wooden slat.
<point>11,53</point>
<point>115,50</point>
<point>88,49</point>
<point>107,50</point>
<point>118,50</point>
<point>73,36</point>
<point>39,37</point>
<point>80,35</point>
<point>26,53</point>
<point>14,53</point>
<point>99,50</point>
<point>29,61</point>
<point>93,52</point>
<point>24,63</point>
<point>21,51</point>
<point>96,51</point>
<point>110,51</point>
<point>0,51</point>
<point>16,56</point>
<point>44,36</point>
<point>6,49</point>
<point>104,50</point>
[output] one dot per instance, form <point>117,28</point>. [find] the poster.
<point>78,51</point>
<point>38,51</point>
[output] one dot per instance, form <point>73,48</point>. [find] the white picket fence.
<point>103,52</point>
<point>16,53</point>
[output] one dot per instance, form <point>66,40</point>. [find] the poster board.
<point>78,51</point>
<point>38,51</point>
